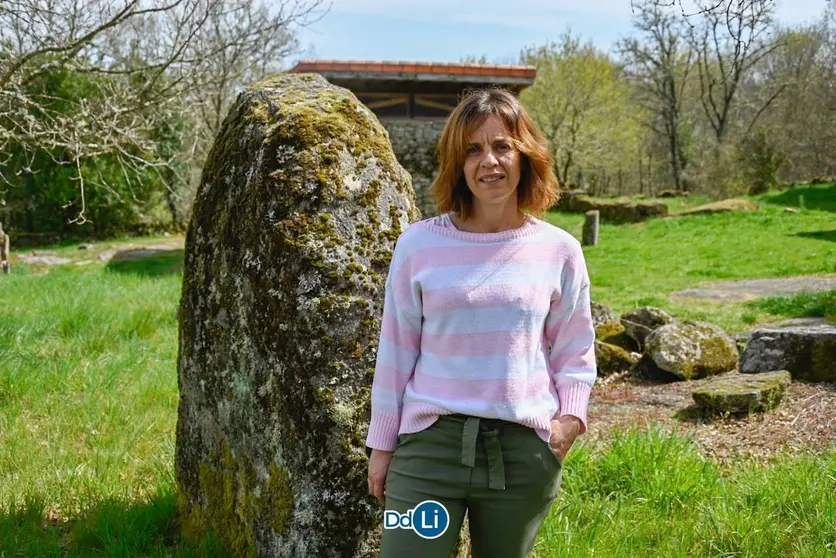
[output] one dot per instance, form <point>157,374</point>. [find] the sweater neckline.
<point>443,225</point>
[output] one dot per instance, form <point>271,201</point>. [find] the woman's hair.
<point>538,187</point>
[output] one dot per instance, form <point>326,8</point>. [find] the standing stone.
<point>287,252</point>
<point>590,228</point>
<point>5,256</point>
<point>807,352</point>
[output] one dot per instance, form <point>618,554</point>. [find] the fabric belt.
<point>473,426</point>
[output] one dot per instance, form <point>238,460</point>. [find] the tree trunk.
<point>641,173</point>
<point>677,172</point>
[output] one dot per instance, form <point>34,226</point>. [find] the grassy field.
<point>641,264</point>
<point>88,404</point>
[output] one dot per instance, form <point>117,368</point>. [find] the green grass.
<point>817,197</point>
<point>653,494</point>
<point>88,406</point>
<point>642,264</point>
<point>802,305</point>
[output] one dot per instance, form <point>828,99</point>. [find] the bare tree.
<point>825,150</point>
<point>151,55</point>
<point>660,63</point>
<point>730,41</point>
<point>241,42</point>
<point>250,41</point>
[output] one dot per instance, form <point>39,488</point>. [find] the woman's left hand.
<point>564,432</point>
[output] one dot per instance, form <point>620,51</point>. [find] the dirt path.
<point>755,288</point>
<point>804,420</point>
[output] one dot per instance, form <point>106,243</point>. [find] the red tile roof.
<point>493,70</point>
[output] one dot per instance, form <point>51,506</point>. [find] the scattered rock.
<point>83,262</point>
<point>639,323</point>
<point>648,209</point>
<point>673,194</point>
<point>621,210</point>
<point>288,249</point>
<point>566,198</point>
<point>106,255</point>
<point>722,207</point>
<point>612,359</point>
<point>691,350</point>
<point>613,332</point>
<point>86,246</point>
<point>807,352</point>
<point>743,393</point>
<point>43,259</point>
<point>750,289</point>
<point>743,336</point>
<point>136,254</point>
<point>601,313</point>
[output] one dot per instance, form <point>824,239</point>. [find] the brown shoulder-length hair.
<point>538,189</point>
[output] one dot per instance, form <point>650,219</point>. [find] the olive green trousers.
<point>502,474</point>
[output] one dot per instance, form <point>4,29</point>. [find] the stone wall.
<point>414,143</point>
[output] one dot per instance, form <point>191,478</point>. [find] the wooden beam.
<point>388,103</point>
<point>433,104</point>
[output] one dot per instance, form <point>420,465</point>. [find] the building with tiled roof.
<point>413,99</point>
<point>424,90</point>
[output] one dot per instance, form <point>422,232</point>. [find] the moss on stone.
<point>743,393</point>
<point>608,329</point>
<point>235,500</point>
<point>297,257</point>
<point>614,333</point>
<point>612,358</point>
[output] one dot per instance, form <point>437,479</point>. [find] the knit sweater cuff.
<point>383,431</point>
<point>574,400</point>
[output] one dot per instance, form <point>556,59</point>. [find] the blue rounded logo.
<point>429,519</point>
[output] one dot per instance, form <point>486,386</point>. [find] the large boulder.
<point>807,352</point>
<point>639,323</point>
<point>286,256</point>
<point>743,393</point>
<point>689,350</point>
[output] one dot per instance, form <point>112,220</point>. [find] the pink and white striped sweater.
<point>494,325</point>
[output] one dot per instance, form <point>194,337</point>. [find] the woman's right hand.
<point>378,467</point>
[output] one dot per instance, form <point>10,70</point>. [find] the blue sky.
<point>447,30</point>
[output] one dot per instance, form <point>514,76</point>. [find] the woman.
<point>486,356</point>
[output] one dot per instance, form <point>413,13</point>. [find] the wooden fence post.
<point>5,257</point>
<point>590,228</point>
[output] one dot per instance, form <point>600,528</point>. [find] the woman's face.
<point>492,165</point>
